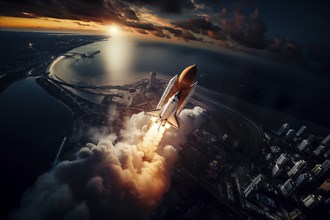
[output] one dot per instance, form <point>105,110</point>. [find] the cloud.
<point>54,20</point>
<point>182,34</point>
<point>140,25</point>
<point>247,30</point>
<point>197,25</point>
<point>118,178</point>
<point>166,6</point>
<point>82,24</point>
<point>160,33</point>
<point>286,47</point>
<point>190,120</point>
<point>202,25</point>
<point>98,11</point>
<point>140,31</point>
<point>205,19</point>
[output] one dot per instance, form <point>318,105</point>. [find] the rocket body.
<point>175,97</point>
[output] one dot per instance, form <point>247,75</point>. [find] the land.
<point>231,168</point>
<point>225,170</point>
<point>29,54</point>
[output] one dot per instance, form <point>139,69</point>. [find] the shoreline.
<point>260,114</point>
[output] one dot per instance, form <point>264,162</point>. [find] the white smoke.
<point>119,178</point>
<point>190,120</point>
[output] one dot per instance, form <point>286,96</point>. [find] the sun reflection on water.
<point>119,56</point>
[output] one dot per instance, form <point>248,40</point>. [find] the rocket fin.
<point>173,120</point>
<point>186,100</point>
<point>167,91</point>
<point>154,112</point>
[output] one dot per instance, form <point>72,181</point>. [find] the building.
<point>326,140</point>
<point>311,201</point>
<point>320,150</point>
<point>297,168</point>
<point>325,186</point>
<point>296,214</point>
<point>212,170</point>
<point>320,169</point>
<point>290,135</point>
<point>316,170</point>
<point>259,180</point>
<point>275,149</point>
<point>323,147</point>
<point>257,183</point>
<point>288,187</point>
<point>152,80</point>
<point>301,131</point>
<point>310,138</point>
<point>325,166</point>
<point>327,154</point>
<point>276,171</point>
<point>283,129</point>
<point>268,157</point>
<point>282,160</point>
<point>251,191</point>
<point>303,145</point>
<point>302,179</point>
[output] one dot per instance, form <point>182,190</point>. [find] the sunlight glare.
<point>114,30</point>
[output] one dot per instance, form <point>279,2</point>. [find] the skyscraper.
<point>288,187</point>
<point>301,131</point>
<point>303,145</point>
<point>152,80</point>
<point>311,201</point>
<point>297,168</point>
<point>283,129</point>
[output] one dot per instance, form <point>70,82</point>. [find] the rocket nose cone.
<point>188,75</point>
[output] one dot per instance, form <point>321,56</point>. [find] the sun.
<point>113,29</point>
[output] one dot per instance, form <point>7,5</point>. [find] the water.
<point>32,127</point>
<point>32,122</point>
<point>266,83</point>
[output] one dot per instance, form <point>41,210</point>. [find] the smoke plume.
<point>124,176</point>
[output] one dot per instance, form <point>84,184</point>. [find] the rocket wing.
<point>173,120</point>
<point>186,100</point>
<point>167,91</point>
<point>154,112</point>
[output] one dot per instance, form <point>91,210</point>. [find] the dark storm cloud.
<point>202,26</point>
<point>166,6</point>
<point>175,31</point>
<point>140,25</point>
<point>197,25</point>
<point>247,30</point>
<point>182,34</point>
<point>187,36</point>
<point>98,11</point>
<point>286,47</point>
<point>158,32</point>
<point>130,13</point>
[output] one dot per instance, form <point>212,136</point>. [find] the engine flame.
<point>151,140</point>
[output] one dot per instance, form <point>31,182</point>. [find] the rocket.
<point>175,97</point>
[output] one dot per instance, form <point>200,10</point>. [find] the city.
<point>231,168</point>
<point>269,173</point>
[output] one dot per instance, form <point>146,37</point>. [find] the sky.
<point>247,23</point>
